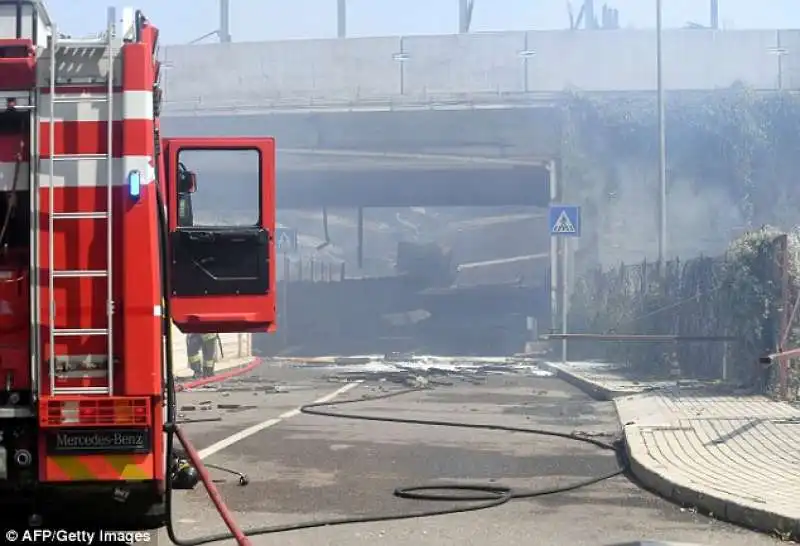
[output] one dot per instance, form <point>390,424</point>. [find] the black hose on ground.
<point>484,496</point>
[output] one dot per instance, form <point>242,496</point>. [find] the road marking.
<point>249,431</point>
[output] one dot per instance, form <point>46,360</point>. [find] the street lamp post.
<point>341,19</point>
<point>662,144</point>
<point>224,21</point>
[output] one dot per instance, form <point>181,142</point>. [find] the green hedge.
<point>738,295</point>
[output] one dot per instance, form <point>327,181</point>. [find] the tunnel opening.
<point>451,280</point>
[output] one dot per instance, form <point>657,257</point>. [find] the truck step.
<point>79,157</point>
<point>67,332</point>
<point>81,390</point>
<point>79,274</point>
<point>59,99</point>
<point>98,215</point>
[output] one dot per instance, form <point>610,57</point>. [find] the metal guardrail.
<point>403,103</point>
<point>459,101</point>
<point>312,270</point>
<point>641,338</point>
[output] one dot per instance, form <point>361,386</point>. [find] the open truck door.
<point>221,209</point>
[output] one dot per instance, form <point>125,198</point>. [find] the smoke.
<point>701,219</point>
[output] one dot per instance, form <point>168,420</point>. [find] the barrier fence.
<point>312,270</point>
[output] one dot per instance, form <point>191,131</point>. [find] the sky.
<point>182,21</point>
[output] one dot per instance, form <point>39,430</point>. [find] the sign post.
<point>285,243</point>
<point>565,222</point>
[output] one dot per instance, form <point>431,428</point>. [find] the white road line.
<point>249,431</point>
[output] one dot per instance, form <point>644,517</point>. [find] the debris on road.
<point>209,407</point>
<point>421,371</point>
<point>278,389</point>
<point>235,407</point>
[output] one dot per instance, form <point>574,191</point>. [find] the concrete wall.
<point>234,347</point>
<point>457,71</point>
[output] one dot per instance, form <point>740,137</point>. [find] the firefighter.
<point>209,344</point>
<point>194,351</point>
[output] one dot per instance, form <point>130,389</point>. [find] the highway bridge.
<point>441,120</point>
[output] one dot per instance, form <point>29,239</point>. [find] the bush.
<point>737,295</point>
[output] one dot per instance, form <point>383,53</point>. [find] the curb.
<point>227,374</point>
<point>715,506</point>
<point>591,388</point>
<point>711,505</point>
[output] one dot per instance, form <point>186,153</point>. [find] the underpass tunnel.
<point>407,273</point>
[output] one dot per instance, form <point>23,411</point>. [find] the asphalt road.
<point>305,467</point>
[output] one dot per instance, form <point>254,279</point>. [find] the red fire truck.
<point>102,244</point>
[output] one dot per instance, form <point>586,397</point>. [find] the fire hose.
<point>171,426</point>
<point>483,496</point>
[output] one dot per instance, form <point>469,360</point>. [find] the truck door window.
<point>218,188</point>
<point>221,214</point>
<point>219,245</point>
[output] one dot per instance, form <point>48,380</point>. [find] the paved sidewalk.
<point>736,457</point>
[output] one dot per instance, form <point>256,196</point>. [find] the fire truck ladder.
<point>94,46</point>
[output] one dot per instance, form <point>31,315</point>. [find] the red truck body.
<point>98,241</point>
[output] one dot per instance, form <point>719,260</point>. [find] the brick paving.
<point>737,457</point>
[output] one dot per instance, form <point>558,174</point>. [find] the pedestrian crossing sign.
<point>286,239</point>
<point>565,220</point>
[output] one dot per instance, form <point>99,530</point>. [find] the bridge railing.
<point>476,69</point>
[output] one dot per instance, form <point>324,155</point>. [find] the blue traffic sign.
<point>565,220</point>
<point>286,239</point>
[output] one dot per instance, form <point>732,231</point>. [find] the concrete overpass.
<point>422,119</point>
<point>357,178</point>
<point>388,159</point>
